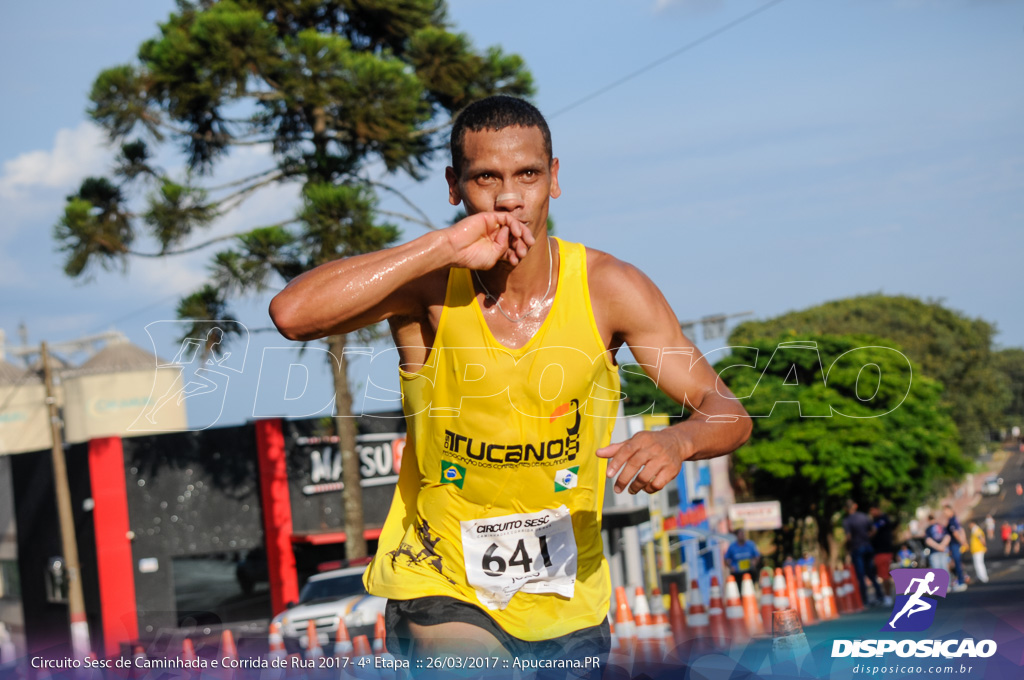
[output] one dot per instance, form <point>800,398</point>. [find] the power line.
<point>657,62</point>
<point>129,315</point>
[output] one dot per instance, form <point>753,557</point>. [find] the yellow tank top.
<point>977,540</point>
<point>499,496</point>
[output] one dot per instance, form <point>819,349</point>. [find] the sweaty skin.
<point>505,184</point>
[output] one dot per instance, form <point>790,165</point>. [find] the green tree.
<point>1010,365</point>
<point>949,347</point>
<point>644,396</point>
<point>334,88</point>
<point>839,417</point>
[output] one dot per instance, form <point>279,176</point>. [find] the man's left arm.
<point>639,316</point>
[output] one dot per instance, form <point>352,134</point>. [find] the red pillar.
<point>114,563</point>
<point>277,514</point>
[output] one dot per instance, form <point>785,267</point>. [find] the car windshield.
<point>332,588</point>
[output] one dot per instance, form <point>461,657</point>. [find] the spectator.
<point>905,557</point>
<point>742,557</point>
<point>1006,533</point>
<point>937,539</point>
<point>881,543</point>
<point>978,547</point>
<point>957,538</point>
<point>990,527</point>
<point>858,528</point>
<point>1018,534</point>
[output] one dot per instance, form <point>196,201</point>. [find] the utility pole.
<point>713,325</point>
<point>80,645</point>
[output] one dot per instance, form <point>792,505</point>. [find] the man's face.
<point>506,170</point>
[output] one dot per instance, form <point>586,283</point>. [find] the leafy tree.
<point>334,88</point>
<point>839,417</point>
<point>643,395</point>
<point>949,347</point>
<point>1010,364</point>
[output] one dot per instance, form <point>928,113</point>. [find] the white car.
<point>323,599</point>
<point>991,486</point>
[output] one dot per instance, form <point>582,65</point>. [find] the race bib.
<point>744,565</point>
<point>533,552</point>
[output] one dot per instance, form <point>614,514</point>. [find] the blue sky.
<point>816,151</point>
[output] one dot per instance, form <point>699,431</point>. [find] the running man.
<point>507,339</point>
<point>915,604</point>
<point>742,556</point>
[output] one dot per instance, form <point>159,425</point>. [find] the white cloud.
<point>76,153</point>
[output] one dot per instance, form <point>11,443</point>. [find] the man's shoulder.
<point>601,264</point>
<point>613,280</point>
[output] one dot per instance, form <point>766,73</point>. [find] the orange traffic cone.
<point>648,644</point>
<point>618,654</point>
<point>188,651</point>
<point>313,648</point>
<point>361,647</point>
<point>791,586</point>
<point>697,616</point>
<point>624,623</point>
<point>816,602</point>
<point>362,665</point>
<point>676,618</point>
<point>228,650</point>
<point>734,614</point>
<point>767,599</point>
<point>342,641</point>
<point>716,615</point>
<point>840,593</point>
<point>828,594</point>
<point>660,617</point>
<point>275,642</point>
<point>780,599</point>
<point>803,598</point>
<point>751,607</point>
<point>379,633</point>
<point>138,661</point>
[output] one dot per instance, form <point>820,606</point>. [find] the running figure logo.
<point>913,611</point>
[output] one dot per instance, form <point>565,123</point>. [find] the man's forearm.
<point>334,297</point>
<point>709,434</point>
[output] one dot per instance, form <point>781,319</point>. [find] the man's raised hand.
<point>481,240</point>
<point>658,456</point>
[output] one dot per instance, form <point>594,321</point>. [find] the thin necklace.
<point>536,303</point>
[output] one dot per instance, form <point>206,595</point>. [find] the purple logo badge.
<point>914,610</point>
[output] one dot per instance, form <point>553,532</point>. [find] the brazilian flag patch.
<point>452,473</point>
<point>566,479</point>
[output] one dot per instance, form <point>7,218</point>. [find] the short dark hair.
<point>496,113</point>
